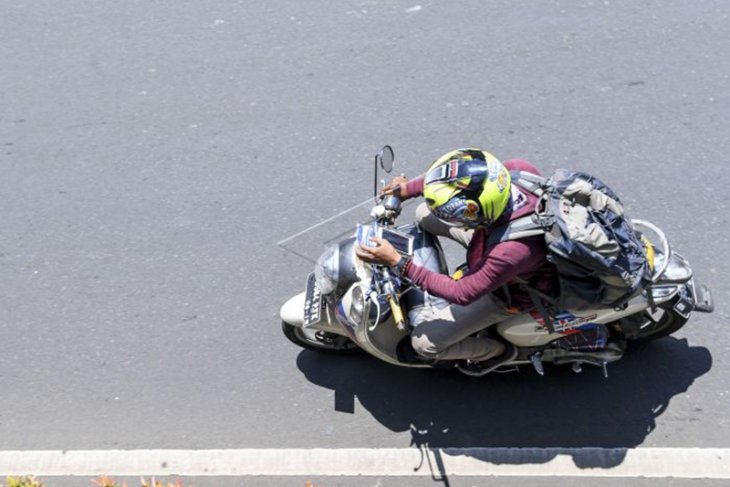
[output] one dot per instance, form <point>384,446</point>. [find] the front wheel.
<point>660,324</point>
<point>319,341</point>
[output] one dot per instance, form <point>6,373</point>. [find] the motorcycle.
<point>350,306</point>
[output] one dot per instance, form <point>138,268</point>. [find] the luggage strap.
<point>538,299</point>
<point>531,182</point>
<point>516,229</point>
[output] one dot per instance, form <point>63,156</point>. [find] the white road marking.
<point>710,463</point>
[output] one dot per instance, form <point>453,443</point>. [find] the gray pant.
<point>442,332</point>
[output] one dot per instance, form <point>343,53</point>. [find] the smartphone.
<point>402,242</point>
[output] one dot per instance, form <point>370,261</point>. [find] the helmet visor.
<point>460,212</point>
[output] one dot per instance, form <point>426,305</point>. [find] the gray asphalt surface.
<point>153,153</point>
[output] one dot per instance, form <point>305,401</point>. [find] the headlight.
<point>358,304</point>
<point>326,271</point>
<point>678,269</point>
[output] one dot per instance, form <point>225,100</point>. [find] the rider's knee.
<point>425,347</point>
<point>422,212</point>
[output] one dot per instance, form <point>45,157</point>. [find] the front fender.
<point>292,311</point>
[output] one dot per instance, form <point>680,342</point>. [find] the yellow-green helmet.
<point>468,187</point>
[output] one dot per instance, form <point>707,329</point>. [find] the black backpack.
<point>599,257</point>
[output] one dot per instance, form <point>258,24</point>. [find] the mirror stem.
<point>375,183</point>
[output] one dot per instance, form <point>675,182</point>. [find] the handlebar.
<point>387,211</point>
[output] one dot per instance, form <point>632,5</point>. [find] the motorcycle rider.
<point>468,194</point>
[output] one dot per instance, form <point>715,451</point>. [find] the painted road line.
<point>711,463</point>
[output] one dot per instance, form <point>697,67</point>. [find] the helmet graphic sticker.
<point>502,179</point>
<point>471,211</point>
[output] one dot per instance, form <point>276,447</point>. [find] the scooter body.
<point>349,305</point>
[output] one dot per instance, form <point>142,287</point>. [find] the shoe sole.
<point>487,370</point>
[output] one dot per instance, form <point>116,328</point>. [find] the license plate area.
<point>312,302</point>
<point>683,307</point>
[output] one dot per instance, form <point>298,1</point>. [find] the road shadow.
<point>444,409</point>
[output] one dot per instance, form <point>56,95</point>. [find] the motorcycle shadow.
<point>562,411</point>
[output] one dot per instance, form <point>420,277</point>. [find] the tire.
<point>319,341</point>
<point>664,323</point>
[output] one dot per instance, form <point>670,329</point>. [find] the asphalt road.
<point>154,153</point>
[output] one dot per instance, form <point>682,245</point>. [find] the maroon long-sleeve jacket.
<point>492,268</point>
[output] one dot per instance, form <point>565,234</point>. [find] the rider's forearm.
<point>505,262</point>
<point>462,292</point>
<point>414,188</point>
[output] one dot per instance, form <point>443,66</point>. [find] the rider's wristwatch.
<point>402,265</point>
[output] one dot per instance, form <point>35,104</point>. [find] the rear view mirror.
<point>386,157</point>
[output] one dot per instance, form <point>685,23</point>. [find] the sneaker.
<point>407,355</point>
<point>483,367</point>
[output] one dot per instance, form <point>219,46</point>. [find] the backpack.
<point>600,259</point>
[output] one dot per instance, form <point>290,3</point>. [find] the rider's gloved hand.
<point>396,187</point>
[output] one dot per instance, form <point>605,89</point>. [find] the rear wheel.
<point>319,341</point>
<point>659,324</point>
